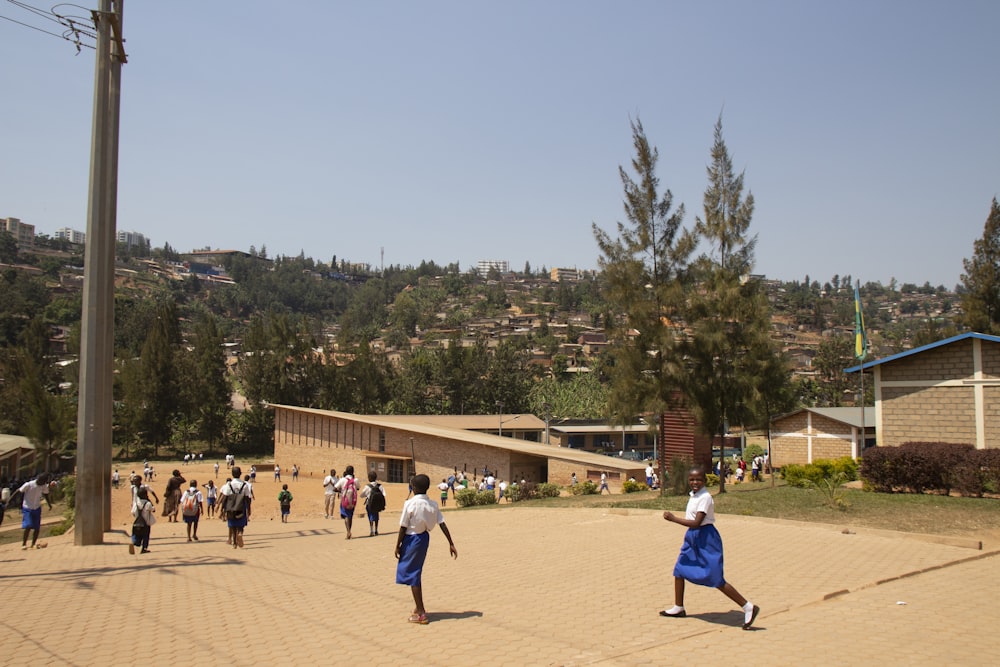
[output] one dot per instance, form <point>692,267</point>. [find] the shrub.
<point>631,486</point>
<point>820,470</point>
<point>472,497</point>
<point>919,467</point>
<point>751,451</point>
<point>546,490</point>
<point>711,479</point>
<point>518,492</point>
<point>584,488</point>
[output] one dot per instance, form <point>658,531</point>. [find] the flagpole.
<point>860,349</point>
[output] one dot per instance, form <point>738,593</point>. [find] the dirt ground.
<point>307,492</point>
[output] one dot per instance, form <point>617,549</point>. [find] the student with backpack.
<point>233,494</point>
<point>191,508</point>
<point>374,496</point>
<point>347,487</point>
<point>285,501</point>
<point>145,517</point>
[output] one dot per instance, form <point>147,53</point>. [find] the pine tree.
<point>981,280</point>
<point>645,270</point>
<point>734,371</point>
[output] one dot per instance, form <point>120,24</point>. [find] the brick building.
<point>819,433</point>
<point>396,447</point>
<point>948,391</point>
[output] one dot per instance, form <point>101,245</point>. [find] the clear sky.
<point>869,131</point>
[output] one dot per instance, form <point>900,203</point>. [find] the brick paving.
<point>530,587</point>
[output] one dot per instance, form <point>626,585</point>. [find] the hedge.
<point>939,467</point>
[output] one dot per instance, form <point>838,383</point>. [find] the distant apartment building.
<point>564,275</point>
<point>22,232</point>
<point>486,265</point>
<point>71,235</point>
<point>132,239</point>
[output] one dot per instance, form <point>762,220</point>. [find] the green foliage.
<point>815,473</point>
<point>981,298</point>
<point>753,450</point>
<point>711,479</point>
<point>677,480</point>
<point>472,497</point>
<point>585,488</point>
<point>548,490</point>
<point>631,486</point>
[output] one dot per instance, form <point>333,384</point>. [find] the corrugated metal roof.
<point>510,444</point>
<point>923,348</point>
<point>849,416</point>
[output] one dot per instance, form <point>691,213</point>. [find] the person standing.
<point>4,499</point>
<point>216,470</point>
<point>172,496</point>
<point>145,517</point>
<point>115,479</point>
<point>31,508</point>
<point>192,504</point>
<point>604,484</point>
<point>347,487</point>
<point>295,472</point>
<point>649,475</point>
<point>420,515</point>
<point>233,499</point>
<point>443,488</point>
<point>329,493</point>
<point>374,496</point>
<point>277,473</point>
<point>285,502</point>
<point>700,559</point>
<point>211,493</point>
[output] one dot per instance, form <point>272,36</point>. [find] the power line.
<point>77,28</point>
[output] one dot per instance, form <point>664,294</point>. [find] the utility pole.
<point>93,497</point>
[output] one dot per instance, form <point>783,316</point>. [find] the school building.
<point>808,434</point>
<point>947,391</point>
<point>398,446</point>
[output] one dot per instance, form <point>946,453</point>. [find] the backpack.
<point>140,520</point>
<point>233,504</point>
<point>376,499</point>
<point>285,498</point>
<point>189,504</point>
<point>349,496</point>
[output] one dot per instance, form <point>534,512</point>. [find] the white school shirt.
<point>701,502</point>
<point>420,515</point>
<point>32,494</point>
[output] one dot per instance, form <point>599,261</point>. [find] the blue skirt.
<point>700,560</point>
<point>411,559</point>
<point>31,518</point>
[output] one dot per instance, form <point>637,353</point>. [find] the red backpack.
<point>349,496</point>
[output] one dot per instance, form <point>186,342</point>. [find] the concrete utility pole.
<point>93,489</point>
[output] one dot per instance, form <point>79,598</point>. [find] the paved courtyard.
<point>530,587</point>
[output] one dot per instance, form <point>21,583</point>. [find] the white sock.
<point>673,611</point>
<point>747,611</point>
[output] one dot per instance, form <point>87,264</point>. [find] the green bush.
<point>751,451</point>
<point>711,479</point>
<point>584,488</point>
<point>820,471</point>
<point>631,486</point>
<point>547,490</point>
<point>472,497</point>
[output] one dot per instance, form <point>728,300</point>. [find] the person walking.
<point>329,493</point>
<point>32,493</point>
<point>374,496</point>
<point>285,502</point>
<point>420,515</point>
<point>144,517</point>
<point>211,493</point>
<point>700,559</point>
<point>172,496</point>
<point>192,505</point>
<point>233,499</point>
<point>347,487</point>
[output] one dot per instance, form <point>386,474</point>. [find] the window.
<point>381,439</point>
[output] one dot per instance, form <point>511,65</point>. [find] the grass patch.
<point>930,514</point>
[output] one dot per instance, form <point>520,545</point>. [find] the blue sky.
<point>869,132</point>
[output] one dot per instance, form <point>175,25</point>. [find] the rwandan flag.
<point>860,340</point>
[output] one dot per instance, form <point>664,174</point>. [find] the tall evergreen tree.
<point>645,269</point>
<point>733,367</point>
<point>981,280</point>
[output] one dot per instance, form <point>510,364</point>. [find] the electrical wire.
<point>77,28</point>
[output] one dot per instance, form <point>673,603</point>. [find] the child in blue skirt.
<point>700,560</point>
<point>420,515</point>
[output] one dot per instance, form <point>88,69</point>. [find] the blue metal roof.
<point>923,348</point>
